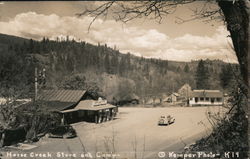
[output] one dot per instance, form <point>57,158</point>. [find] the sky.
<point>168,40</point>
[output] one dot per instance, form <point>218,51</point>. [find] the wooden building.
<point>77,105</point>
<point>206,97</point>
<point>91,111</point>
<point>174,97</point>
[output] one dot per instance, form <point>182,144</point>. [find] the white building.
<point>206,97</point>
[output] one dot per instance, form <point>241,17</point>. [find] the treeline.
<point>99,68</point>
<point>227,77</point>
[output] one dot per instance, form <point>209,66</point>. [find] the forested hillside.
<point>98,68</point>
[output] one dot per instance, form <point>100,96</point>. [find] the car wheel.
<point>161,122</point>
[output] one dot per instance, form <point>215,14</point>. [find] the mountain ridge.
<point>98,68</point>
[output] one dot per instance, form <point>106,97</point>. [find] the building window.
<point>207,99</point>
<point>202,99</point>
<point>218,99</point>
<point>196,99</point>
<point>212,100</point>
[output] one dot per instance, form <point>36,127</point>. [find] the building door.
<point>196,99</point>
<point>212,100</point>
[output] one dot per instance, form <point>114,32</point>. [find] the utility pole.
<point>36,85</point>
<point>40,78</point>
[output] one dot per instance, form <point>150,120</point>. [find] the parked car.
<point>62,131</point>
<point>166,120</point>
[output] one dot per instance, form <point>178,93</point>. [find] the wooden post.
<point>111,113</point>
<point>96,118</point>
<point>63,120</point>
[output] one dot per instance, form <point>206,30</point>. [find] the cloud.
<point>136,40</point>
<point>218,46</point>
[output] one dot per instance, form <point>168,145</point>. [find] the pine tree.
<point>186,68</point>
<point>122,66</point>
<point>128,62</point>
<point>114,64</point>
<point>202,76</point>
<point>107,64</point>
<point>178,69</point>
<point>31,46</point>
<point>226,76</point>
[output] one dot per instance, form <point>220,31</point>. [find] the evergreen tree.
<point>202,76</point>
<point>107,64</point>
<point>31,46</point>
<point>122,66</point>
<point>146,70</point>
<point>186,68</point>
<point>226,76</point>
<point>178,69</point>
<point>128,62</point>
<point>114,64</point>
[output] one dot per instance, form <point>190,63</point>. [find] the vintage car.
<point>166,120</point>
<point>62,131</point>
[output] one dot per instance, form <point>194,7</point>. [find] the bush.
<point>32,117</point>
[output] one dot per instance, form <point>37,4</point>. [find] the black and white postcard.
<point>124,79</point>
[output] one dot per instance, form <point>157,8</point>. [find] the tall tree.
<point>202,76</point>
<point>226,76</point>
<point>186,68</point>
<point>236,15</point>
<point>122,66</point>
<point>114,64</point>
<point>31,46</point>
<point>107,63</point>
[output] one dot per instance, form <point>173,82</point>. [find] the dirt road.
<point>135,133</point>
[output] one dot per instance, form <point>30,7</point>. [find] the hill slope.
<point>100,69</point>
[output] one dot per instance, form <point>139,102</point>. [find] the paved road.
<point>135,133</point>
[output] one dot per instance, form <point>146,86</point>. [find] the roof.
<point>61,95</point>
<point>89,105</point>
<point>186,85</point>
<point>58,106</point>
<point>58,100</point>
<point>207,93</point>
<point>175,94</point>
<point>166,99</point>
